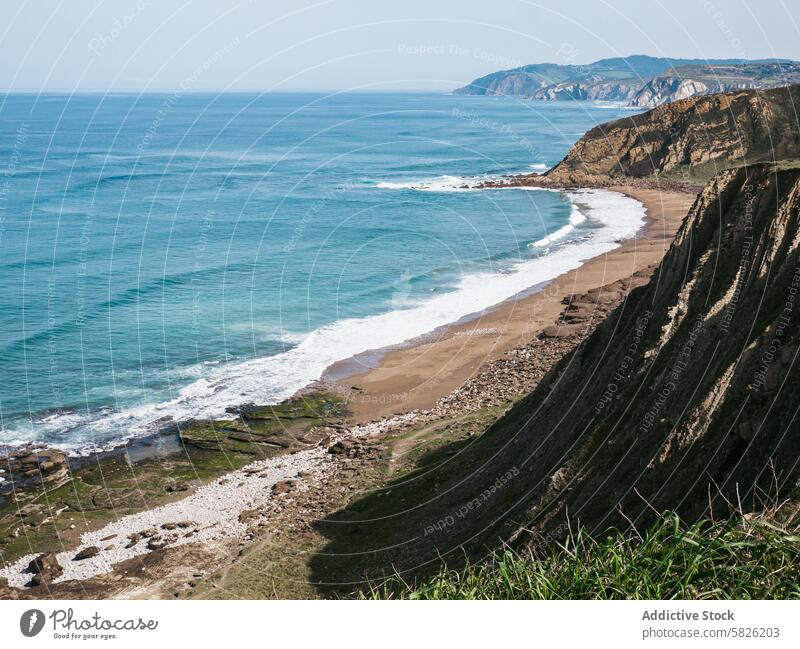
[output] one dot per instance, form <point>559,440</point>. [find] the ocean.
<point>166,256</point>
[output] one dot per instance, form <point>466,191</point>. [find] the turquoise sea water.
<point>165,256</point>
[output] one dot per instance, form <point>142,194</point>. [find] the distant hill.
<point>639,80</point>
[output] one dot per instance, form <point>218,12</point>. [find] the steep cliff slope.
<point>665,90</point>
<point>685,398</point>
<point>690,139</point>
<point>624,91</point>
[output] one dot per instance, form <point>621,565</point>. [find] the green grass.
<point>737,559</point>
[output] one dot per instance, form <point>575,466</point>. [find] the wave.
<point>576,217</point>
<point>459,183</point>
<point>615,105</point>
<point>438,184</point>
<point>273,378</point>
<point>156,286</point>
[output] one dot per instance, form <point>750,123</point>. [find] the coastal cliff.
<point>638,81</point>
<point>688,140</point>
<point>684,398</point>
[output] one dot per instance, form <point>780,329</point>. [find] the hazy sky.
<point>360,44</point>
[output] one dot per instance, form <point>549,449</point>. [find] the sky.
<point>195,45</point>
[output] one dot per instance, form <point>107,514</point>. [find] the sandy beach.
<point>414,377</point>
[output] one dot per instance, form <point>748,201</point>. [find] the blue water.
<point>159,250</point>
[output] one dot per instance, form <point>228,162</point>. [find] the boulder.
<point>177,486</point>
<point>87,553</point>
<point>45,568</point>
<point>342,447</point>
<point>157,542</point>
<point>283,487</point>
<point>44,562</point>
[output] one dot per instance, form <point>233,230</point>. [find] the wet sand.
<point>389,382</point>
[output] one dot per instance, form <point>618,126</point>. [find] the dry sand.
<point>414,377</point>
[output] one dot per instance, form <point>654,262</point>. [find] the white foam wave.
<point>457,183</point>
<point>615,105</point>
<point>576,217</point>
<point>438,184</point>
<point>270,379</point>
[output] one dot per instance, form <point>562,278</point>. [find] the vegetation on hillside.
<point>743,558</point>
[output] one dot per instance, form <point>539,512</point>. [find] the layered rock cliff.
<point>665,90</point>
<point>689,139</point>
<point>623,91</point>
<point>686,397</point>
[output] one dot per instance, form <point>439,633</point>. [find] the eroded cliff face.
<point>664,90</point>
<point>623,91</point>
<point>686,397</point>
<point>687,138</point>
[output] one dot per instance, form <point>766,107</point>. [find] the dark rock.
<point>177,486</point>
<point>133,539</point>
<point>87,553</point>
<point>6,592</point>
<point>283,487</point>
<point>342,447</point>
<point>34,467</point>
<point>45,568</point>
<point>157,542</point>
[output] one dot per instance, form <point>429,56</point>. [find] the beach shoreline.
<point>413,376</point>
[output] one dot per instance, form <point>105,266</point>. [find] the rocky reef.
<point>32,467</point>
